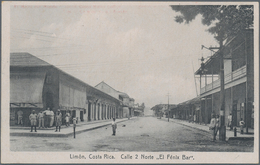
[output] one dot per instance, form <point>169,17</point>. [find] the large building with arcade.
<point>38,85</point>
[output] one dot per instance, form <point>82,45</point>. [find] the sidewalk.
<point>65,131</point>
<point>205,128</point>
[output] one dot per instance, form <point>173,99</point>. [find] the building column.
<point>95,111</point>
<point>102,111</point>
<point>105,111</point>
<point>206,111</point>
<point>109,113</point>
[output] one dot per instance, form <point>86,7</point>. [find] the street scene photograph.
<point>132,77</point>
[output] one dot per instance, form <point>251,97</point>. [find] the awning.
<point>26,87</point>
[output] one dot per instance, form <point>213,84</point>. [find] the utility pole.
<point>168,107</point>
<point>222,128</point>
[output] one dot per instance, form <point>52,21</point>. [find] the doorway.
<point>89,111</point>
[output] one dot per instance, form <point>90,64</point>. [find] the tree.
<point>226,20</point>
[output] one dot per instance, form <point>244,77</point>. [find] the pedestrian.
<point>241,124</point>
<point>68,113</point>
<point>212,127</point>
<point>114,126</point>
<point>51,118</point>
<point>217,125</point>
<point>67,119</point>
<point>20,117</point>
<point>33,119</point>
<point>41,119</point>
<point>230,122</point>
<point>47,114</point>
<point>58,119</point>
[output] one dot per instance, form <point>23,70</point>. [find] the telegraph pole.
<point>222,128</point>
<point>168,107</point>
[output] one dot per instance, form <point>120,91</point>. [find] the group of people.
<point>215,124</point>
<point>49,117</point>
<point>58,118</point>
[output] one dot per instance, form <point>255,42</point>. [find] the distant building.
<point>126,100</point>
<point>161,110</point>
<point>188,110</point>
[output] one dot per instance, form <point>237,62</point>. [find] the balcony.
<point>229,78</point>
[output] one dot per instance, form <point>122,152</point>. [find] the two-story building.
<point>238,55</point>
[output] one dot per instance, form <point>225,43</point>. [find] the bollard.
<point>235,132</point>
<point>74,126</point>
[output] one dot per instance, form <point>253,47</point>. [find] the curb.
<point>191,127</point>
<point>59,135</point>
<point>241,138</point>
<point>227,139</point>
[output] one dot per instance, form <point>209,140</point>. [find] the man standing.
<point>47,117</point>
<point>67,118</point>
<point>41,119</point>
<point>20,117</point>
<point>114,126</point>
<point>51,118</point>
<point>241,124</point>
<point>217,125</point>
<point>58,119</point>
<point>212,127</point>
<point>230,121</point>
<point>33,119</point>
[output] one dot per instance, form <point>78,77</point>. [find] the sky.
<point>136,49</point>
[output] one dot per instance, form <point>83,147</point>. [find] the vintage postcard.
<point>130,82</point>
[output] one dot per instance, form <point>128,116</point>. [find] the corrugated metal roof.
<point>26,59</point>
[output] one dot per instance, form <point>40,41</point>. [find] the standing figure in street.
<point>58,119</point>
<point>230,121</point>
<point>47,117</point>
<point>212,127</point>
<point>114,126</point>
<point>67,119</point>
<point>33,120</point>
<point>217,125</point>
<point>241,124</point>
<point>20,117</point>
<point>41,119</point>
<point>51,118</point>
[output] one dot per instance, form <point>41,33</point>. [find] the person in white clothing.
<point>212,127</point>
<point>41,119</point>
<point>242,125</point>
<point>51,118</point>
<point>114,126</point>
<point>20,117</point>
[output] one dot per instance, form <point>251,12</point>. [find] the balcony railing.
<point>241,72</point>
